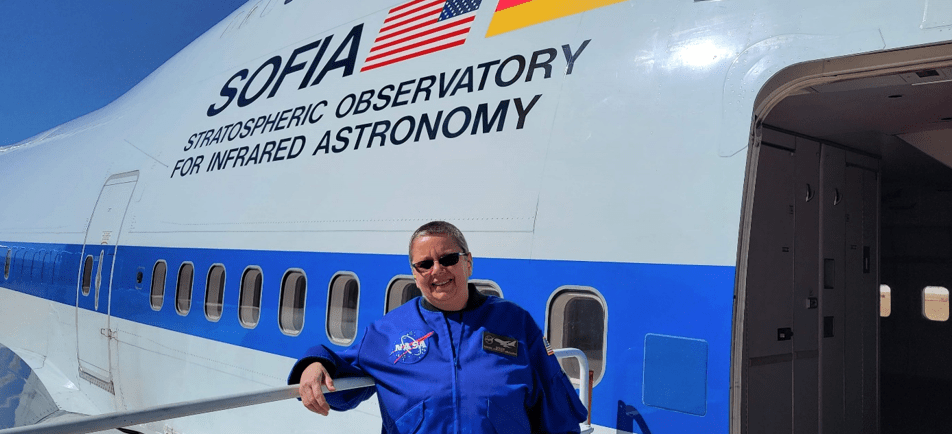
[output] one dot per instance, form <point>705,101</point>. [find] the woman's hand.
<point>313,377</point>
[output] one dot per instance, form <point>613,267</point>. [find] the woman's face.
<point>444,287</point>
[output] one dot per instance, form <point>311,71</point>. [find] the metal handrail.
<point>583,389</point>
<point>89,424</point>
<point>172,411</point>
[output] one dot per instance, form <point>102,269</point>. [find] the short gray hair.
<point>440,227</point>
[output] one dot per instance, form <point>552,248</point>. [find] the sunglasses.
<point>447,260</point>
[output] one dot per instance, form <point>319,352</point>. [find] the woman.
<point>453,360</point>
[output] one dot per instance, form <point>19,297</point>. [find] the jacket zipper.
<point>455,349</point>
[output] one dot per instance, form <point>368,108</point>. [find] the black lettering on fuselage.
<point>545,65</point>
<point>570,58</point>
<point>276,70</point>
<point>275,63</point>
<point>524,111</point>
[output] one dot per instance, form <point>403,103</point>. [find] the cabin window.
<point>401,290</point>
<point>935,303</point>
<point>342,301</point>
<point>37,274</point>
<point>576,317</point>
<point>59,270</point>
<point>28,261</point>
<point>27,265</point>
<point>48,267</point>
<point>183,288</point>
<point>885,300</point>
<point>87,274</point>
<point>158,284</point>
<point>249,299</point>
<point>293,291</point>
<point>19,263</point>
<point>214,292</point>
<point>6,264</point>
<point>140,276</point>
<point>487,287</point>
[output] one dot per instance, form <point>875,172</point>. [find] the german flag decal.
<point>515,14</point>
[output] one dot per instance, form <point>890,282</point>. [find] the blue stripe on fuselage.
<point>677,300</point>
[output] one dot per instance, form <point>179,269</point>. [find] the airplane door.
<point>811,305</point>
<point>96,276</point>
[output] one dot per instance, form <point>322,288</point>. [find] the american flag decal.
<point>548,348</point>
<point>420,27</point>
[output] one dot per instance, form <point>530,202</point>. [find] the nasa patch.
<point>411,347</point>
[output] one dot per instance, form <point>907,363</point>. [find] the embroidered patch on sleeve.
<point>548,348</point>
<point>500,344</point>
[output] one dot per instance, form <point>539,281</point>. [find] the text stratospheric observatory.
<point>481,118</point>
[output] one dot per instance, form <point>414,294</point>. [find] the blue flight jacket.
<point>484,369</point>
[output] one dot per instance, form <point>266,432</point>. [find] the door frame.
<point>100,376</point>
<point>788,82</point>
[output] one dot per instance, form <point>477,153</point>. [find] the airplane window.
<point>87,274</point>
<point>28,259</point>
<point>6,265</point>
<point>183,290</point>
<point>214,292</point>
<point>48,265</point>
<point>249,299</point>
<point>576,318</point>
<point>935,303</point>
<point>140,275</point>
<point>37,273</point>
<point>293,291</point>
<point>158,284</point>
<point>59,270</point>
<point>401,290</point>
<point>487,287</point>
<point>885,300</point>
<point>19,258</point>
<point>342,301</point>
<point>26,263</point>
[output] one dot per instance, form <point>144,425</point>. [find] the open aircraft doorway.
<point>846,250</point>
